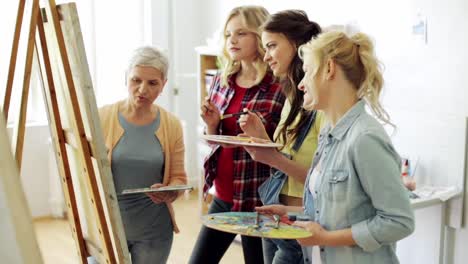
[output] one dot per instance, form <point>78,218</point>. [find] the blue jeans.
<point>282,251</point>
<point>147,251</point>
<point>212,244</point>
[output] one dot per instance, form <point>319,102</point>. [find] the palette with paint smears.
<point>240,141</point>
<point>244,223</point>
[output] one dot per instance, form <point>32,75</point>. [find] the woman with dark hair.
<point>298,129</point>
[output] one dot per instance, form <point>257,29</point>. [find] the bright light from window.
<point>111,30</point>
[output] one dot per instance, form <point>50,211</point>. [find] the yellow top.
<point>306,152</point>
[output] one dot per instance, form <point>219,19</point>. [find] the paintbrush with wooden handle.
<point>239,114</point>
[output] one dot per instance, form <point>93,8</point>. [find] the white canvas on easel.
<point>17,238</point>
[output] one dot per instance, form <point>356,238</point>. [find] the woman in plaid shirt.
<point>244,83</point>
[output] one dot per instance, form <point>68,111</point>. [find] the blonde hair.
<point>252,17</point>
<point>356,57</point>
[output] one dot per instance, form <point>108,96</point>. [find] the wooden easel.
<point>55,39</point>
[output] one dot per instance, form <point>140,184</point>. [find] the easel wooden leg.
<point>18,133</point>
<point>14,55</point>
<point>50,99</point>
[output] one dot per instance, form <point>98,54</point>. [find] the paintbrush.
<point>277,221</point>
<point>239,113</point>
<point>256,221</point>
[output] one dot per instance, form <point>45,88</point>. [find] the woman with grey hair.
<point>146,148</point>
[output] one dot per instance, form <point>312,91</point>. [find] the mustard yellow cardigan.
<point>170,136</point>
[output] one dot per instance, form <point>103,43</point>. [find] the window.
<point>111,30</point>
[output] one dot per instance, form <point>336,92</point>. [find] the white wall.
<point>18,241</point>
<point>426,80</point>
<point>36,170</point>
<point>186,27</point>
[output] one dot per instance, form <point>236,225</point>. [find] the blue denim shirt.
<point>358,186</point>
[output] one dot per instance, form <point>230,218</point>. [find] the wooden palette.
<point>243,223</point>
<point>240,141</point>
<point>162,189</point>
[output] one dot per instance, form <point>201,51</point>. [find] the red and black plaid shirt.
<point>248,175</point>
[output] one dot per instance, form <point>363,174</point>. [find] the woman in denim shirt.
<point>360,206</point>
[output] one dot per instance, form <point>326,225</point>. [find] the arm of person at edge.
<point>252,126</point>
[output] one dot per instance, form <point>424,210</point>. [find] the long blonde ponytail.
<point>356,57</point>
<point>372,83</point>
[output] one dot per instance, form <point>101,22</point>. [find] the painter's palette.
<point>240,141</point>
<point>243,223</point>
